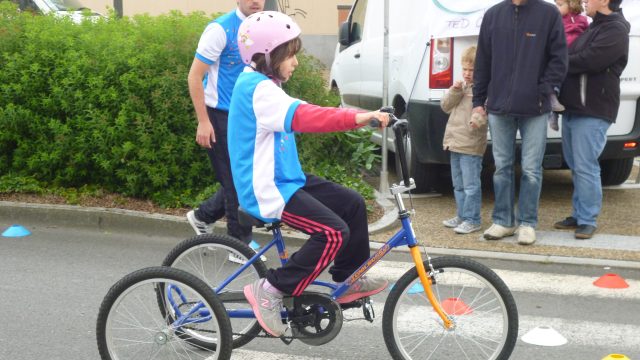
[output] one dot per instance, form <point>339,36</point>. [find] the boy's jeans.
<point>583,139</point>
<point>465,174</point>
<point>533,131</point>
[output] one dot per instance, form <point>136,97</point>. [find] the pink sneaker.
<point>266,305</point>
<point>363,287</point>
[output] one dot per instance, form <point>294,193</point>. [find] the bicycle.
<point>445,308</point>
<point>162,313</point>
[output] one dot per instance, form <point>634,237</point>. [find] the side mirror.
<point>343,34</point>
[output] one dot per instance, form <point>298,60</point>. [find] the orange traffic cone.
<point>455,306</point>
<point>611,281</point>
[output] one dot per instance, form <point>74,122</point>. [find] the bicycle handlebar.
<point>400,129</point>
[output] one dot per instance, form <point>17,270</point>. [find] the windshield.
<point>64,5</point>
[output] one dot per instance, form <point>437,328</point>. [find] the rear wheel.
<point>615,171</point>
<point>213,258</point>
<point>131,326</point>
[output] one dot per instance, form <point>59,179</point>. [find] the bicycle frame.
<point>405,236</point>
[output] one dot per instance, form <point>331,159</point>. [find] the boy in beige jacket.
<point>466,138</point>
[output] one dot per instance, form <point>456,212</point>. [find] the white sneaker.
<point>452,223</point>
<point>467,228</point>
<point>526,235</point>
<point>497,232</point>
<point>200,227</point>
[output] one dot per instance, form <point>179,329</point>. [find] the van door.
<point>349,73</point>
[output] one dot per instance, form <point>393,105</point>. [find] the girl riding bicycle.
<point>269,178</point>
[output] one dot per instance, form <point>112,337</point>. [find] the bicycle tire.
<point>479,302</point>
<point>129,320</point>
<point>204,256</point>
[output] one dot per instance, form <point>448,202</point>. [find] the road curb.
<point>139,222</point>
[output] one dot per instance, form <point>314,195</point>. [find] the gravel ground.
<point>620,216</point>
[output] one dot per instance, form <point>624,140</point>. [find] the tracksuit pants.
<point>335,217</point>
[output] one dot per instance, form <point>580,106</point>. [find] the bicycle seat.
<point>246,219</point>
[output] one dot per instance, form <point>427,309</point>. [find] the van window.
<point>357,20</point>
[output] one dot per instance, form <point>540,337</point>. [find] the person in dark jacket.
<point>521,60</point>
<point>591,96</point>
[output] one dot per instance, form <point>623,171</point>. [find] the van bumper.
<point>427,123</point>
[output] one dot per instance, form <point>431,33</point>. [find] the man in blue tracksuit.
<point>521,60</point>
<point>213,74</point>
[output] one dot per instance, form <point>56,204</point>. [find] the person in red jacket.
<point>574,22</point>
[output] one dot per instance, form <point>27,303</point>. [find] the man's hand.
<point>480,110</point>
<point>205,136</point>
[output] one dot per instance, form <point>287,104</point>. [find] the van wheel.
<point>428,177</point>
<point>615,171</point>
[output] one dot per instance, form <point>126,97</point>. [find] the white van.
<point>75,9</point>
<point>426,39</point>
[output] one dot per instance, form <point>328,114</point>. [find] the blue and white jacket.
<point>218,48</point>
<point>262,148</point>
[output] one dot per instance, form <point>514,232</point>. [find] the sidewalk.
<point>545,250</point>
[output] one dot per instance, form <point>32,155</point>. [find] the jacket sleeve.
<point>451,99</point>
<point>557,64</point>
<point>318,119</point>
<point>482,66</point>
<point>606,47</point>
<point>577,26</point>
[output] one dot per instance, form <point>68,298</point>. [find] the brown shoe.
<point>567,224</point>
<point>585,232</point>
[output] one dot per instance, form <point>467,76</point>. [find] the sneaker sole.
<point>564,227</point>
<point>248,293</point>
<point>583,236</point>
<point>356,296</point>
<point>465,232</point>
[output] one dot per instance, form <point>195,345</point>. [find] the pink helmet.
<point>262,32</point>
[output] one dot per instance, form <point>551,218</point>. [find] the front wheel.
<point>131,326</point>
<point>480,304</point>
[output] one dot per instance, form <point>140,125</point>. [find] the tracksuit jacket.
<point>596,61</point>
<point>521,58</point>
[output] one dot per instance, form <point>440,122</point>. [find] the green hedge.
<point>105,105</point>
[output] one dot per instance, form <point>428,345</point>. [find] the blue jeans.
<point>533,132</point>
<point>465,174</point>
<point>583,139</point>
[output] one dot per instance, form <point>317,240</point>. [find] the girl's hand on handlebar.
<point>366,118</point>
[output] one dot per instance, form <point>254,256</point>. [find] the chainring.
<point>315,318</point>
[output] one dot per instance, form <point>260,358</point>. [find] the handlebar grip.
<point>374,123</point>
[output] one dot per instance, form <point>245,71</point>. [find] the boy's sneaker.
<point>363,287</point>
<point>526,235</point>
<point>453,222</point>
<point>200,227</point>
<point>497,232</point>
<point>467,228</point>
<point>266,305</point>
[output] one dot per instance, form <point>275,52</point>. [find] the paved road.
<point>53,282</point>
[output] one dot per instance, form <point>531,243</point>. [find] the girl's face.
<point>563,6</point>
<point>286,68</point>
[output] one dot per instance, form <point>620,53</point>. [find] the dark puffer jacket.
<point>596,60</point>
